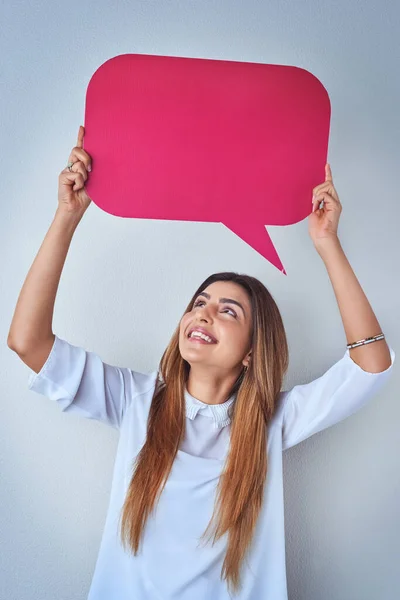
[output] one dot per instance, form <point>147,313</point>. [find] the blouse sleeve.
<point>338,393</point>
<point>81,383</point>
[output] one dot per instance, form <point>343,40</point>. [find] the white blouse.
<point>170,565</point>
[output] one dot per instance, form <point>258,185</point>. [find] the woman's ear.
<point>247,359</point>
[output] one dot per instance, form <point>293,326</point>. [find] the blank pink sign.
<point>194,139</point>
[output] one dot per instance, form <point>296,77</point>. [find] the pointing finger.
<point>328,172</point>
<point>81,133</point>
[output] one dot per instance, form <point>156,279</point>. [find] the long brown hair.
<point>241,485</point>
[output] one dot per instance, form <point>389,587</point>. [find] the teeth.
<point>201,335</point>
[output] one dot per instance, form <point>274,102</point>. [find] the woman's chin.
<point>193,358</point>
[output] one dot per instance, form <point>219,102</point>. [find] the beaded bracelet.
<point>369,340</point>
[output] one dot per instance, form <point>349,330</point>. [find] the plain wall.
<point>126,282</point>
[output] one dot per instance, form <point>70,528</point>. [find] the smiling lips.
<point>200,340</point>
<point>199,334</point>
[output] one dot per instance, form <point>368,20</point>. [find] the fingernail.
<point>89,167</point>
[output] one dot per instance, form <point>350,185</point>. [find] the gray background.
<point>126,282</point>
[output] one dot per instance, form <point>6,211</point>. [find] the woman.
<point>201,437</point>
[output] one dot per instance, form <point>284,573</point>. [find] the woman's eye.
<point>226,308</point>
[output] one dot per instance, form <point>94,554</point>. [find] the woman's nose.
<point>204,315</point>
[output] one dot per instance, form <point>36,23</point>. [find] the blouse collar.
<point>218,412</point>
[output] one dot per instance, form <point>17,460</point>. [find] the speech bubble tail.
<point>256,236</point>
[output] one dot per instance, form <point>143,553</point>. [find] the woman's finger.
<point>79,167</point>
<point>67,177</point>
<point>328,172</point>
<point>80,154</point>
<point>327,186</point>
<point>81,133</point>
<point>318,198</point>
<point>322,187</point>
<point>329,201</point>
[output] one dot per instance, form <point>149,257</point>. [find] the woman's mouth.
<point>200,340</point>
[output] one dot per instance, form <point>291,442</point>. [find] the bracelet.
<point>368,340</point>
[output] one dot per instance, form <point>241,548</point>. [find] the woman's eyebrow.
<point>225,301</point>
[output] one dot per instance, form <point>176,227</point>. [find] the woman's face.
<point>223,309</point>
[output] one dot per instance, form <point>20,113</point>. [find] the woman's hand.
<point>323,222</point>
<point>72,196</point>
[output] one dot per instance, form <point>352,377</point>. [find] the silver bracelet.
<point>369,340</point>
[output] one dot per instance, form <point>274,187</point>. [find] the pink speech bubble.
<point>206,140</point>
